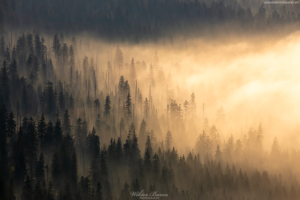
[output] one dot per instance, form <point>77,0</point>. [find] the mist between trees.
<point>74,126</point>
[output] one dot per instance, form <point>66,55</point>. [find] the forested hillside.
<point>136,20</point>
<point>70,129</point>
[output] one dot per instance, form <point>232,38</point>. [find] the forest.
<point>151,99</point>
<point>71,129</point>
<point>137,20</point>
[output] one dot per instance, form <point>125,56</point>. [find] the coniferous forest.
<point>86,119</point>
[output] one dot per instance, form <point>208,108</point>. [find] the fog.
<point>223,99</point>
<point>255,80</point>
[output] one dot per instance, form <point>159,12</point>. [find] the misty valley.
<point>174,100</point>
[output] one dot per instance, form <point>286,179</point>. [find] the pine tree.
<point>93,144</point>
<point>19,158</point>
<point>275,151</point>
<point>49,135</point>
<point>125,193</point>
<point>74,44</point>
<point>156,167</point>
<point>142,133</point>
<point>62,103</point>
<point>151,76</point>
<point>147,161</point>
<point>11,128</point>
<point>66,123</point>
<point>119,151</point>
<point>56,46</point>
<point>169,141</point>
<point>7,55</point>
<point>27,190</point>
<point>149,146</point>
<point>42,127</point>
<point>73,171</point>
<point>132,71</point>
<point>11,190</point>
<point>40,168</point>
<point>135,148</point>
<point>72,56</point>
<point>3,149</point>
<point>71,103</point>
<point>146,108</point>
<point>37,46</point>
<point>32,144</point>
<point>55,169</point>
<point>103,166</point>
<point>128,105</point>
<point>98,195</point>
<point>193,104</point>
<point>121,88</point>
<point>32,68</point>
<point>65,55</point>
<point>50,192</point>
<point>218,155</point>
<point>260,138</point>
<point>107,106</point>
<point>4,85</point>
<point>57,134</point>
<point>119,59</point>
<point>97,105</point>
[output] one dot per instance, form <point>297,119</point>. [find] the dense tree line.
<point>62,136</point>
<point>136,19</point>
<point>40,161</point>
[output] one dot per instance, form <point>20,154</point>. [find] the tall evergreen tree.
<point>107,106</point>
<point>4,85</point>
<point>40,168</point>
<point>57,134</point>
<point>19,159</point>
<point>168,141</point>
<point>32,144</point>
<point>42,127</point>
<point>3,149</point>
<point>149,146</point>
<point>128,105</point>
<point>27,191</point>
<point>66,123</point>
